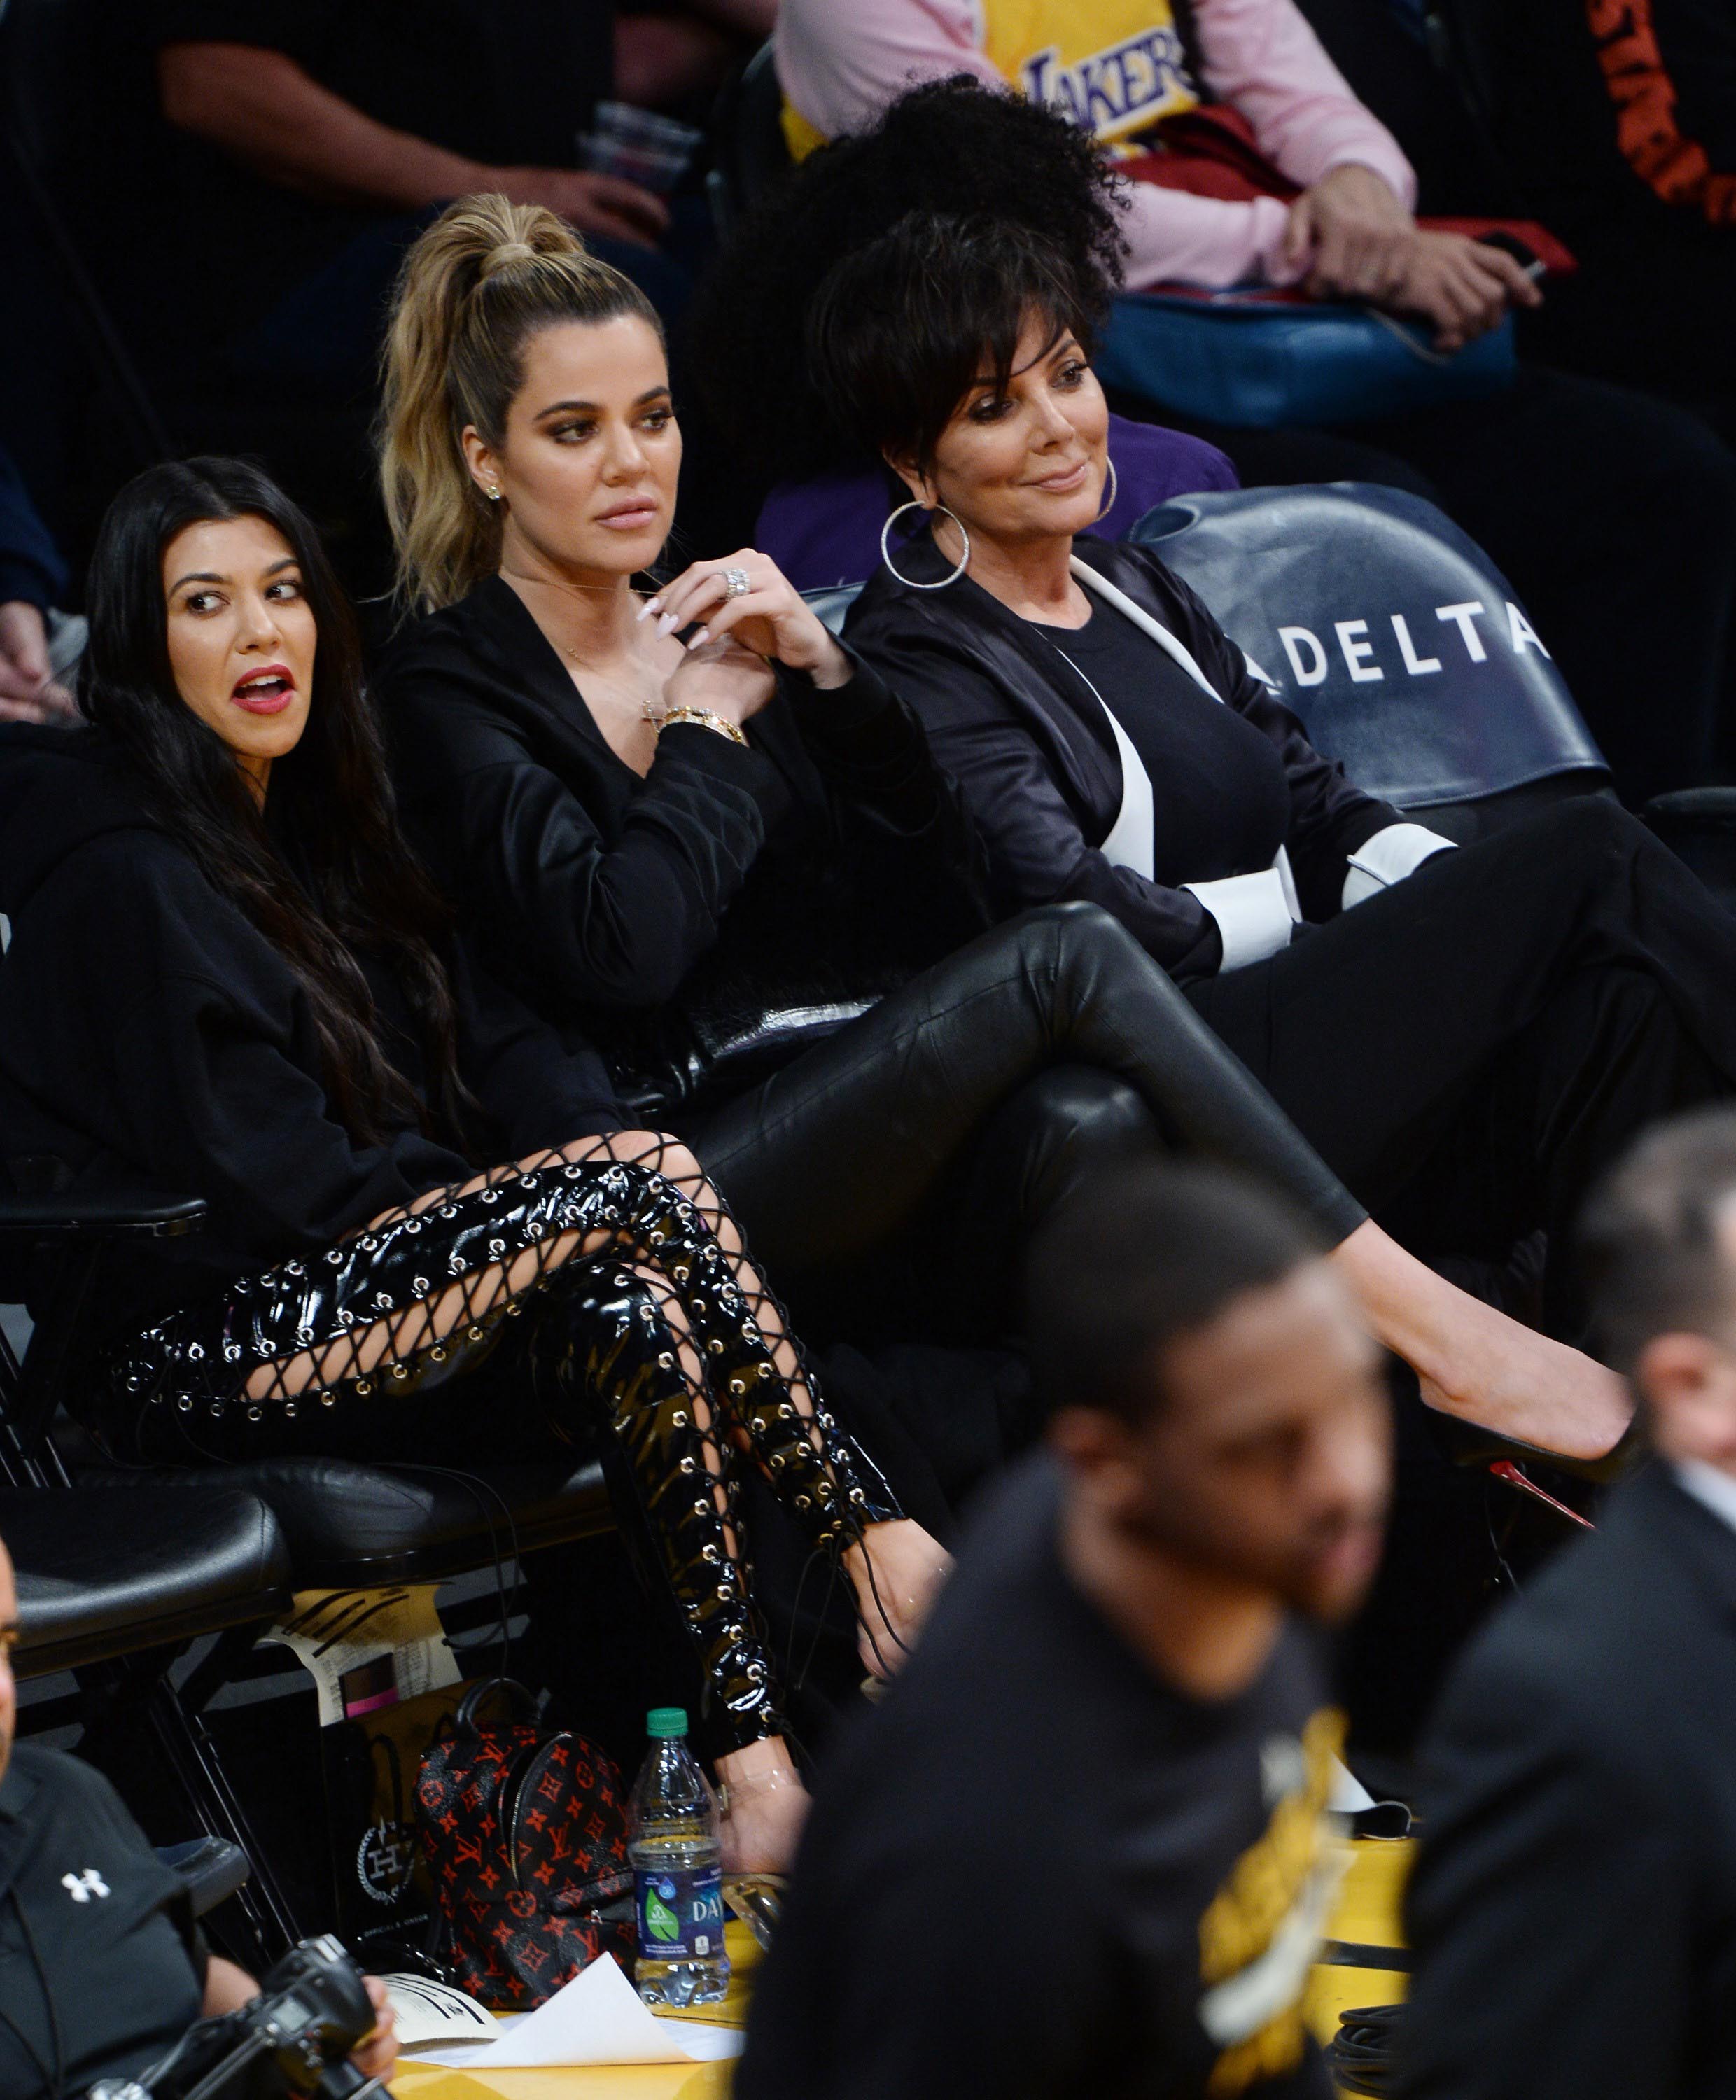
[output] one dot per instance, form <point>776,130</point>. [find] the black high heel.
<point>1470,1444</point>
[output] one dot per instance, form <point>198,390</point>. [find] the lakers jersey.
<point>1112,67</point>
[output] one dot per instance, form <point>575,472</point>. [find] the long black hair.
<point>952,149</point>
<point>354,888</point>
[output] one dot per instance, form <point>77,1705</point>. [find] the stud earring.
<point>494,494</point>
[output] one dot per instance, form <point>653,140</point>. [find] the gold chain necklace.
<point>646,711</point>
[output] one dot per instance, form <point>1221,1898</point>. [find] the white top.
<point>1255,914</point>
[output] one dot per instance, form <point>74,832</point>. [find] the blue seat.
<point>1394,637</point>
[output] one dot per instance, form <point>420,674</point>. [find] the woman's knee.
<point>1071,1122</point>
<point>1577,840</point>
<point>1079,938</point>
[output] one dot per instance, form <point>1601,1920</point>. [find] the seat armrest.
<point>94,1213</point>
<point>212,1867</point>
<point>1699,826</point>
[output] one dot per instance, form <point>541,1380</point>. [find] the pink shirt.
<point>842,61</point>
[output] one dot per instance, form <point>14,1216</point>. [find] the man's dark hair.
<point>1648,1244</point>
<point>1138,1259</point>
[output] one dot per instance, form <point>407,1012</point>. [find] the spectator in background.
<point>1615,515</point>
<point>1573,1907</point>
<point>1123,68</point>
<point>1082,1848</point>
<point>32,576</point>
<point>331,131</point>
<point>1619,124</point>
<point>676,57</point>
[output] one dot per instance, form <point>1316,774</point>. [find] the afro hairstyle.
<point>953,149</point>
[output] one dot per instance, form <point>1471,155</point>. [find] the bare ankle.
<point>759,1768</point>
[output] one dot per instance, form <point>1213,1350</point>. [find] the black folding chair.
<point>330,1523</point>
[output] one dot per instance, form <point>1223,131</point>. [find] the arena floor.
<point>1365,1923</point>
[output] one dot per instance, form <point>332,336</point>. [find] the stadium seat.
<point>130,1575</point>
<point>746,140</point>
<point>1398,642</point>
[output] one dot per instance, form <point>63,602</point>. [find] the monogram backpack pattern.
<point>525,1839</point>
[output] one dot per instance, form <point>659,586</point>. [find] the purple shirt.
<point>827,532</point>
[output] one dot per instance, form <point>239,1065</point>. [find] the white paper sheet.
<point>598,2018</point>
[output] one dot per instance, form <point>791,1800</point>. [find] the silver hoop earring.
<point>885,549</point>
<point>1114,487</point>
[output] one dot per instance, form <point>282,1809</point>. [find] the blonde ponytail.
<point>476,285</point>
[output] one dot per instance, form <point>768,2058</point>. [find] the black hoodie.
<point>149,1032</point>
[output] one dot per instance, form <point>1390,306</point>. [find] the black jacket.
<point>1003,714</point>
<point>817,866</point>
<point>1573,1908</point>
<point>148,1031</point>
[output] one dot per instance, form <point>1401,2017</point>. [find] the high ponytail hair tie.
<point>503,258</point>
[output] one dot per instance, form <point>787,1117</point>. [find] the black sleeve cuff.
<point>701,750</point>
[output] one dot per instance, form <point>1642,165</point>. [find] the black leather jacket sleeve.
<point>1033,837</point>
<point>970,671</point>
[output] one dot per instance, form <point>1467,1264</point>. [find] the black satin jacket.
<point>699,924</point>
<point>1006,716</point>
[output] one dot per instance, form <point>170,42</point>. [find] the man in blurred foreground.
<point>1082,1846</point>
<point>1573,1905</point>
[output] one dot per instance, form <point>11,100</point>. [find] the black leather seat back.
<point>1396,639</point>
<point>749,152</point>
<point>832,603</point>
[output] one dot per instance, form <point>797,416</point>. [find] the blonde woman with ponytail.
<point>682,819</point>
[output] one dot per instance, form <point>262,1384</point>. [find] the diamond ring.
<point>737,583</point>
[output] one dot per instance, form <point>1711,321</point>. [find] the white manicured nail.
<point>647,609</point>
<point>667,624</point>
<point>700,638</point>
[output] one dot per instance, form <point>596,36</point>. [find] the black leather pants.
<point>965,1106</point>
<point>421,1338</point>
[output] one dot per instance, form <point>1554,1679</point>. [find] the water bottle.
<point>672,1833</point>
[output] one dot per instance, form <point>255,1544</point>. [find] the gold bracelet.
<point>705,720</point>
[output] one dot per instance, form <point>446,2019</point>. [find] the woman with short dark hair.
<point>1468,1049</point>
<point>228,974</point>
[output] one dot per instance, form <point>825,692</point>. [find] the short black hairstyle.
<point>900,332</point>
<point>1649,1238</point>
<point>953,149</point>
<point>1138,1257</point>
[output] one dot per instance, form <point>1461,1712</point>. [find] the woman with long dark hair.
<point>228,973</point>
